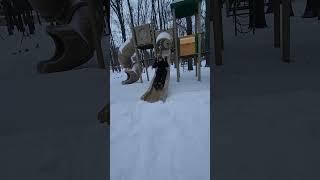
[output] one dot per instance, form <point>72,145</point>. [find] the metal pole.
<point>199,41</point>
<point>146,64</point>
<point>196,42</point>
<point>176,52</point>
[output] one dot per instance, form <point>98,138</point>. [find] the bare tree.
<point>154,13</point>
<point>145,11</point>
<point>159,15</point>
<point>117,7</point>
<point>130,13</point>
<point>162,14</point>
<point>139,11</point>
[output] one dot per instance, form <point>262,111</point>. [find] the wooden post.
<point>196,36</point>
<point>176,52</point>
<point>199,41</point>
<point>217,30</point>
<point>285,47</point>
<point>97,39</point>
<point>276,22</point>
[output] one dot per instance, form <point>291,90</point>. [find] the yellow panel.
<point>187,45</point>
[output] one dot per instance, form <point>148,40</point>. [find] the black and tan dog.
<point>161,73</point>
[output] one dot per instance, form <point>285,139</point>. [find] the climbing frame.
<point>144,38</point>
<point>181,9</point>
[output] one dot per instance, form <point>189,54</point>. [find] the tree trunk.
<point>130,13</point>
<point>270,8</point>
<point>189,31</point>
<point>162,15</point>
<point>118,9</point>
<point>159,15</point>
<point>258,20</point>
<point>123,31</point>
<point>153,14</point>
<point>138,12</point>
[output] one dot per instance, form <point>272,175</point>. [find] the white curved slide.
<point>125,56</point>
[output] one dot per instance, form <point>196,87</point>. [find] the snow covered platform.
<point>48,125</point>
<point>266,112</point>
<point>158,141</point>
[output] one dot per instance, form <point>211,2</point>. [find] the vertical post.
<point>154,38</point>
<point>146,64</point>
<point>276,22</point>
<point>217,30</point>
<point>176,52</point>
<point>285,48</point>
<point>134,37</point>
<point>199,40</point>
<point>97,39</point>
<point>196,42</point>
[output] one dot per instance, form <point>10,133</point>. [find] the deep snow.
<point>266,112</point>
<point>48,123</point>
<point>157,141</point>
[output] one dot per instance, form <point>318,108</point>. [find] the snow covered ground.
<point>266,112</point>
<point>161,141</point>
<point>48,123</point>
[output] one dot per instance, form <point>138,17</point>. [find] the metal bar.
<point>176,52</point>
<point>196,38</point>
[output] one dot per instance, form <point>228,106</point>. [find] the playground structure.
<point>75,26</point>
<point>165,44</point>
<point>125,57</point>
<point>133,54</point>
<point>189,45</point>
<point>240,9</point>
<point>130,57</point>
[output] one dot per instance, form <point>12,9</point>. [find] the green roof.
<point>184,8</point>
